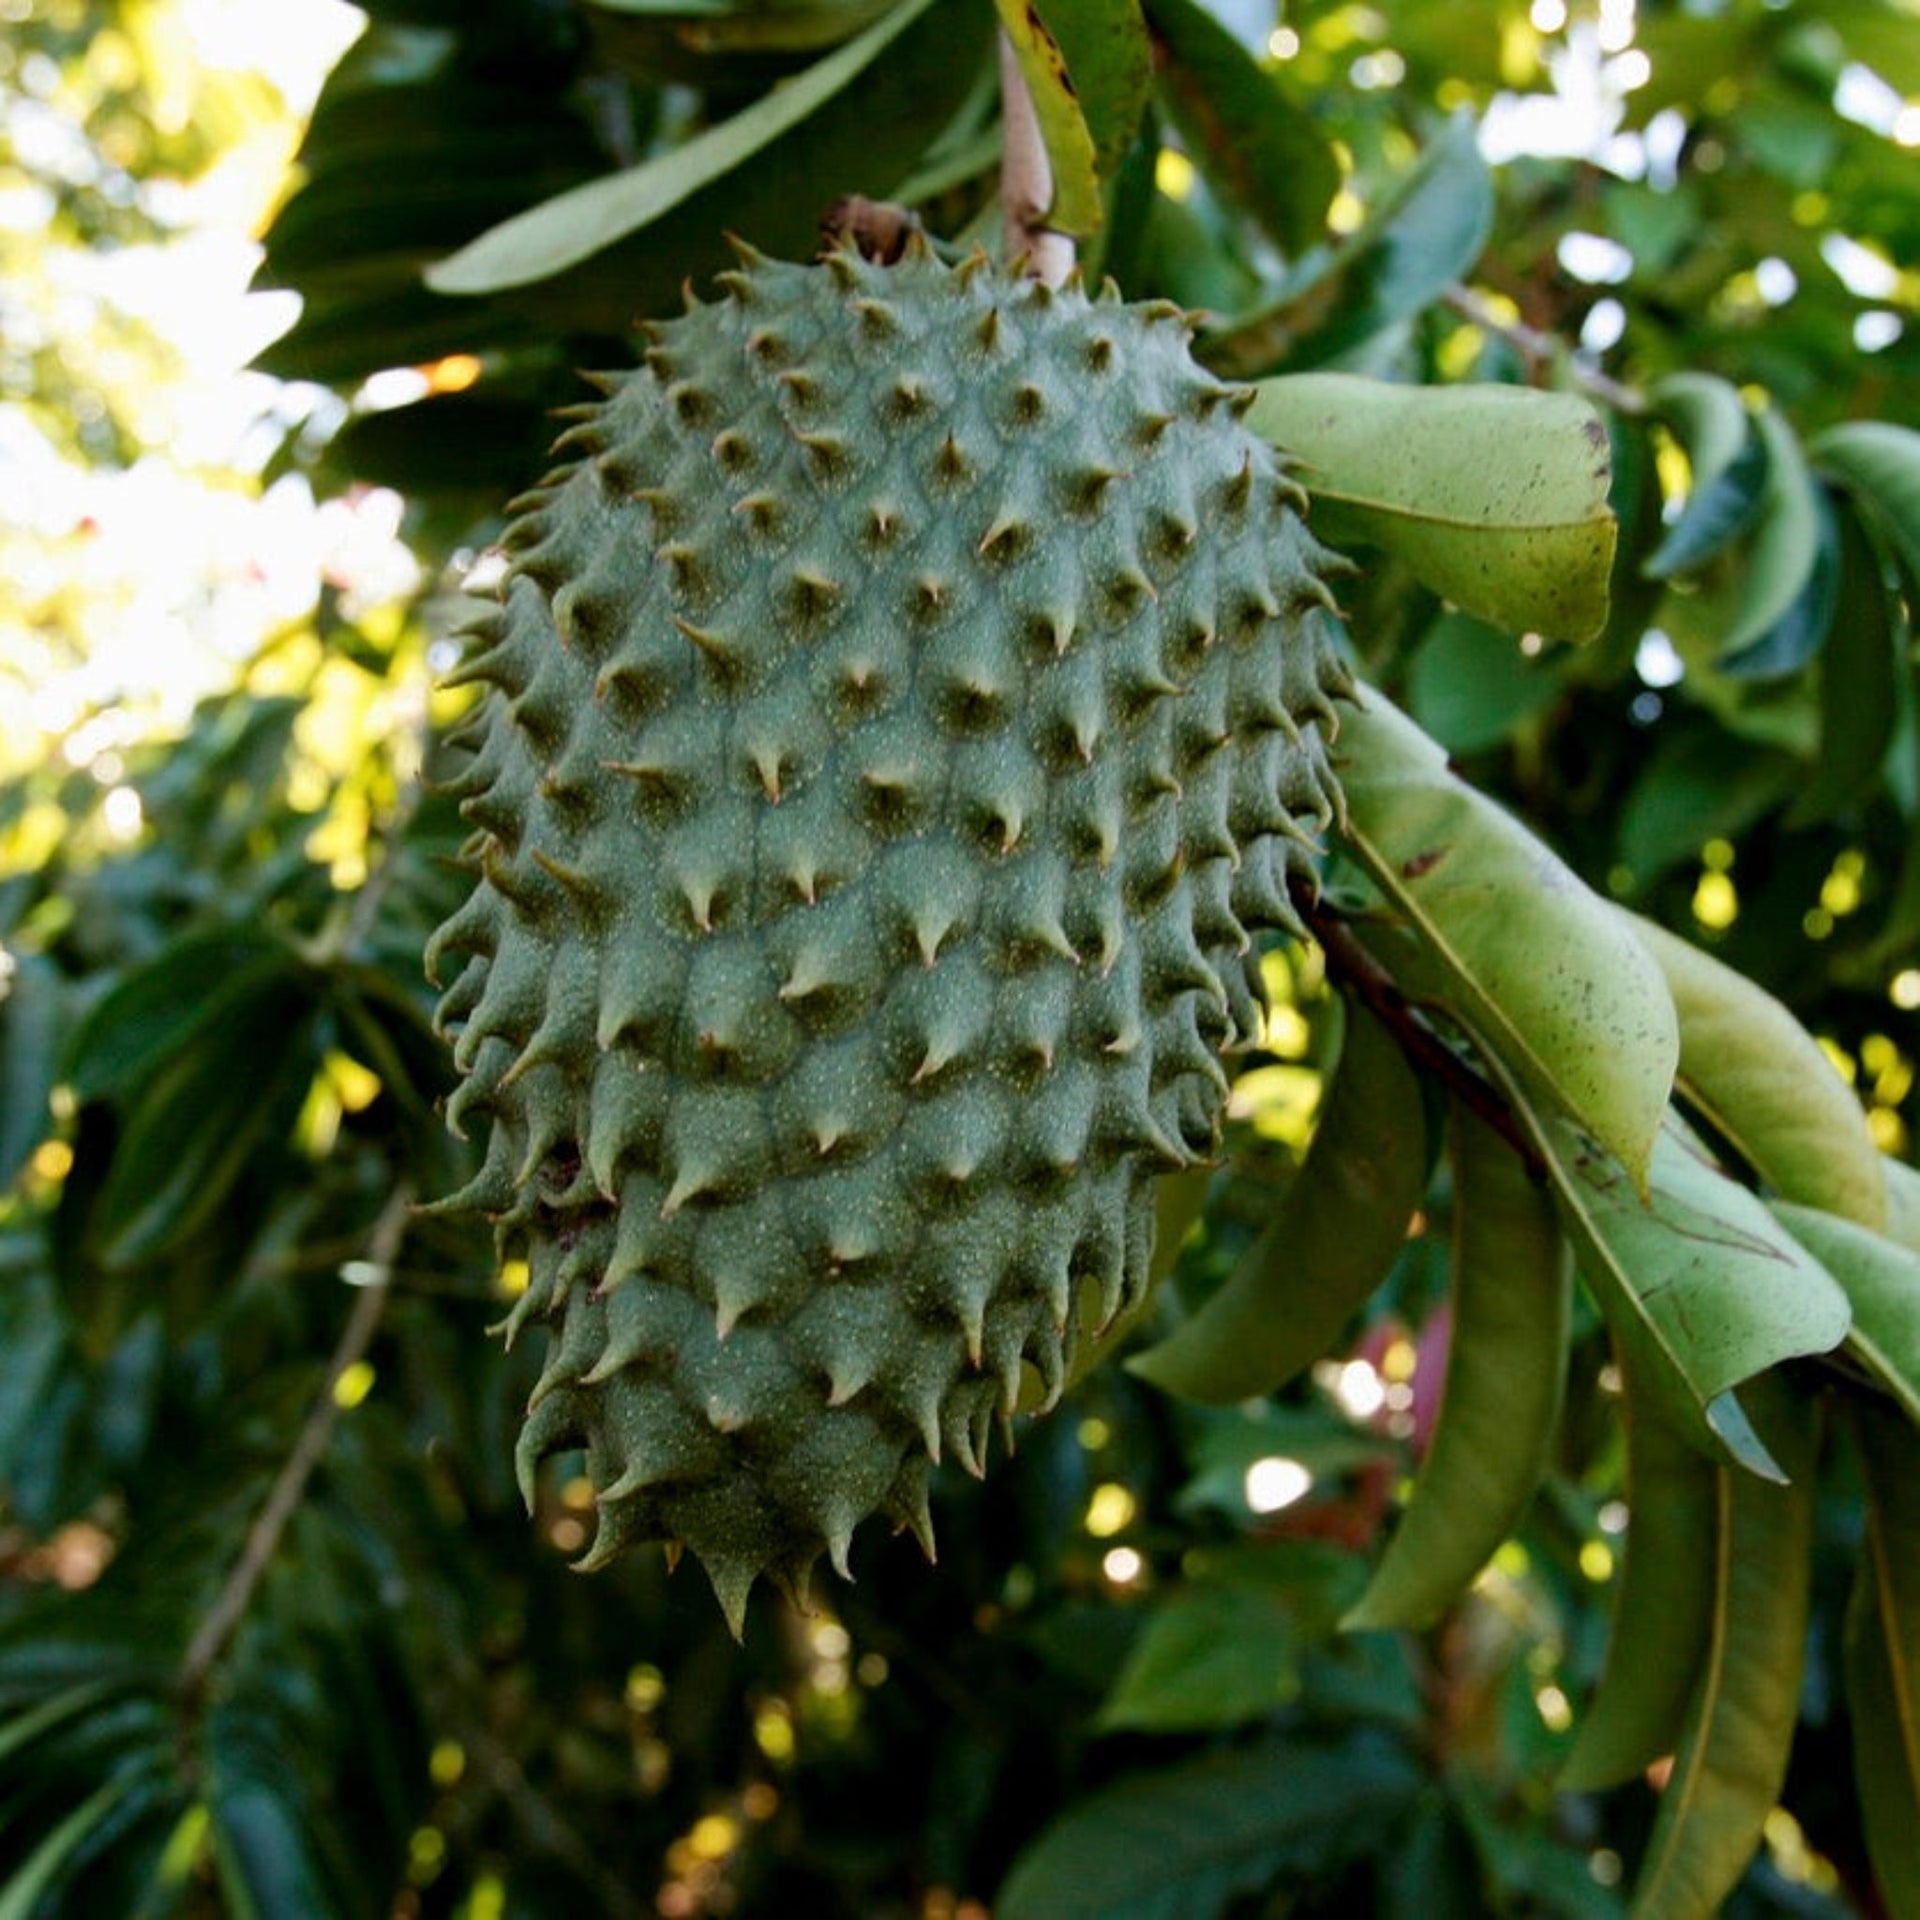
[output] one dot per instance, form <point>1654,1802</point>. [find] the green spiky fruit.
<point>903,702</point>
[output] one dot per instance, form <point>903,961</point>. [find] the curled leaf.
<point>1496,497</point>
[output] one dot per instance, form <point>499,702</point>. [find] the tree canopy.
<point>1589,1095</point>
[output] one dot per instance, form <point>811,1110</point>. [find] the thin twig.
<point>1541,350</point>
<point>1382,995</point>
<point>1026,181</point>
<point>283,1498</point>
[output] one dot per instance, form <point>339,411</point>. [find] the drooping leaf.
<point>1882,1282</point>
<point>1801,630</point>
<point>1879,463</point>
<point>1076,206</point>
<point>1422,236</point>
<point>1728,456</point>
<point>1496,497</point>
<point>1766,1087</point>
<point>1784,546</point>
<point>1882,1654</point>
<point>1182,1842</point>
<point>1533,961</point>
<point>1732,1757</point>
<point>1903,1202</point>
<point>1243,130</point>
<point>1512,1297</point>
<point>563,231</point>
<point>1662,1611</point>
<point>1331,1241</point>
<point>1859,692</point>
<point>1703,1289</point>
<point>22,1894</point>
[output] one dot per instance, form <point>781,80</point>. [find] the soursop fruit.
<point>904,703</point>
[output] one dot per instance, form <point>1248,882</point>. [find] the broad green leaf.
<point>1699,782</point>
<point>1422,236</point>
<point>1712,422</point>
<point>773,26</point>
<point>561,232</point>
<point>1531,960</point>
<point>1859,695</point>
<point>1332,1239</point>
<point>1496,497</point>
<point>1763,1083</point>
<point>1506,1370</point>
<point>155,1011</point>
<point>1186,1840</point>
<point>1903,1201</point>
<point>1076,206</point>
<point>1662,1611</point>
<point>1110,62</point>
<point>1879,463</point>
<point>1208,1656</point>
<point>1242,129</point>
<point>1732,1757</point>
<point>1701,1286</point>
<point>33,1020</point>
<point>1882,1654</point>
<point>1881,1279</point>
<point>1784,546</point>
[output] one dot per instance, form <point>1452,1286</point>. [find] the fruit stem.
<point>1026,181</point>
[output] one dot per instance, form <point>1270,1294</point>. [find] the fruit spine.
<point>903,703</point>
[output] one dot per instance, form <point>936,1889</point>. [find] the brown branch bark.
<point>290,1485</point>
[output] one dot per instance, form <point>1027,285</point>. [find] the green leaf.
<point>1764,1085</point>
<point>1332,1240</point>
<point>1728,456</point>
<point>33,1021</point>
<point>1879,464</point>
<point>1732,1758</point>
<point>1859,692</point>
<point>1208,1656</point>
<point>1785,544</point>
<point>1182,1842</point>
<point>1422,236</point>
<point>25,1728</point>
<point>1496,497</point>
<point>1470,685</point>
<point>1110,62</point>
<point>1882,1658</point>
<point>200,1117</point>
<point>1881,1279</point>
<point>1534,963</point>
<point>784,26</point>
<point>561,232</point>
<point>1242,129</point>
<point>153,1013</point>
<point>1662,1612</point>
<point>21,1895</point>
<point>1903,1201</point>
<point>1701,1286</point>
<point>1506,1370</point>
<point>1800,632</point>
<point>1076,206</point>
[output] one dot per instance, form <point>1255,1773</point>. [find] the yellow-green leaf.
<point>1076,206</point>
<point>1882,1282</point>
<point>1759,1077</point>
<point>1495,496</point>
<point>1535,963</point>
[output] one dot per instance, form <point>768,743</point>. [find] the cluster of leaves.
<point>273,1636</point>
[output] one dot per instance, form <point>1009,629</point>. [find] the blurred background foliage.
<point>276,1637</point>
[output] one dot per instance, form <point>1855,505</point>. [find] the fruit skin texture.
<point>903,703</point>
